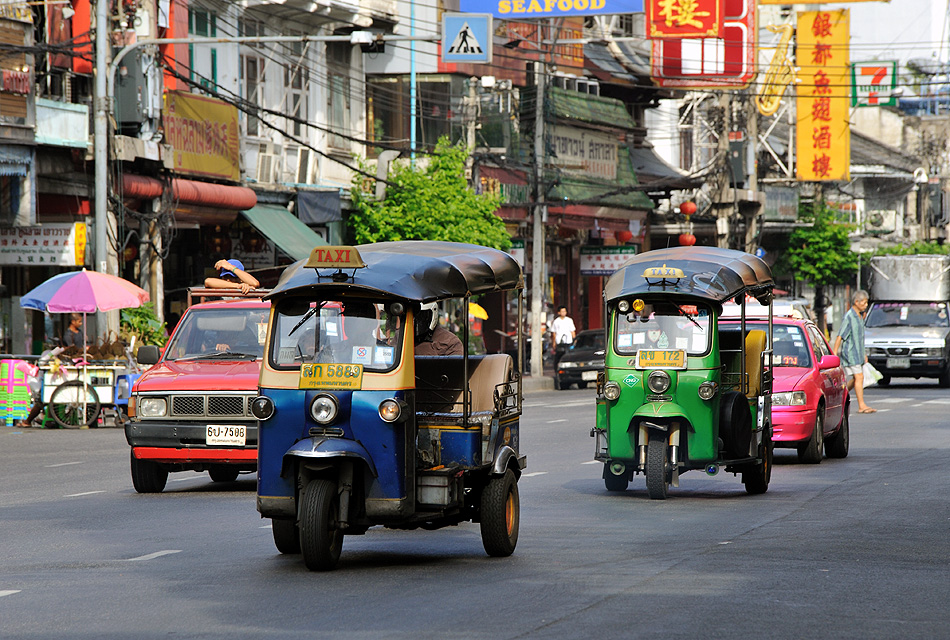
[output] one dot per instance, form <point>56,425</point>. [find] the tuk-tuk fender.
<point>660,410</point>
<point>507,458</point>
<point>326,448</point>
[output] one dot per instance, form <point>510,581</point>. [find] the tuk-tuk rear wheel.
<point>500,515</point>
<point>657,466</point>
<point>756,479</point>
<point>286,535</point>
<point>321,542</point>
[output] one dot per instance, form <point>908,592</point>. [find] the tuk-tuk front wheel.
<point>756,479</point>
<point>321,542</point>
<point>286,535</point>
<point>658,467</point>
<point>500,515</point>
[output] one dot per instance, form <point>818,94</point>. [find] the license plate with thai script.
<point>661,359</point>
<point>331,376</point>
<point>226,435</point>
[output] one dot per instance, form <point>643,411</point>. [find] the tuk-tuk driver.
<point>431,338</point>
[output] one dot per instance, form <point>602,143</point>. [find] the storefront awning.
<point>282,228</point>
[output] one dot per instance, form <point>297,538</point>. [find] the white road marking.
<point>84,493</point>
<point>9,592</point>
<point>592,462</point>
<point>553,421</point>
<point>185,479</point>
<point>937,401</point>
<point>152,556</point>
<point>889,400</point>
<point>61,464</point>
<point>536,473</point>
<point>267,526</point>
<point>579,403</point>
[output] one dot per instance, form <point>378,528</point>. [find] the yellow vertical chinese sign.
<point>823,133</point>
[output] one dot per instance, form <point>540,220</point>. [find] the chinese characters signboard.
<point>873,84</point>
<point>52,245</point>
<point>204,135</point>
<point>603,261</point>
<point>823,136</point>
<point>684,18</point>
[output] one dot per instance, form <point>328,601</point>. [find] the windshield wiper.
<point>306,317</point>
<point>688,317</point>
<point>220,355</point>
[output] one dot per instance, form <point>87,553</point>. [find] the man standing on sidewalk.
<point>562,333</point>
<point>849,346</point>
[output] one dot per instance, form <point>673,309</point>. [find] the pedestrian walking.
<point>849,346</point>
<point>562,333</point>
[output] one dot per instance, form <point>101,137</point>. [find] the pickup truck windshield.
<point>335,331</point>
<point>218,334</point>
<point>908,314</point>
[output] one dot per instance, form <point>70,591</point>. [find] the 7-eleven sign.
<point>873,84</point>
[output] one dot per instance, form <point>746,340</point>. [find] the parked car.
<point>810,400</point>
<point>781,307</point>
<point>580,364</point>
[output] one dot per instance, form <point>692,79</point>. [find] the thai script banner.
<point>523,9</point>
<point>51,245</point>
<point>204,135</point>
<point>823,135</point>
<point>604,261</point>
<point>594,154</point>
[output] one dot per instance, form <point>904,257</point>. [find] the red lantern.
<point>624,236</point>
<point>688,208</point>
<point>130,253</point>
<point>687,239</point>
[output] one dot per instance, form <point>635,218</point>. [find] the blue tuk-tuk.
<point>357,429</point>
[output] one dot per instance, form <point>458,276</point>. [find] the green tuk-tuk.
<point>677,392</point>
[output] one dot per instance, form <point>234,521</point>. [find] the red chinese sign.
<point>823,135</point>
<point>684,18</point>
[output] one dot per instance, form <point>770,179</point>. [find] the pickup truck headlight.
<point>789,399</point>
<point>151,407</point>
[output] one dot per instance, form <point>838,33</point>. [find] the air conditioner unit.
<point>267,167</point>
<point>307,165</point>
<point>880,221</point>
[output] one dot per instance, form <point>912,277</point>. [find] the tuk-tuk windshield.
<point>218,333</point>
<point>664,325</point>
<point>335,332</point>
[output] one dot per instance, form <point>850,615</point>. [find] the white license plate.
<point>232,436</point>
<point>898,363</point>
<point>588,376</point>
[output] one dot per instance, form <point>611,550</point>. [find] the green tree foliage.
<point>914,249</point>
<point>428,201</point>
<point>142,322</point>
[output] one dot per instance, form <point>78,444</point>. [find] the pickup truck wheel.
<point>286,535</point>
<point>223,474</point>
<point>321,541</point>
<point>810,453</point>
<point>147,476</point>
<point>500,515</point>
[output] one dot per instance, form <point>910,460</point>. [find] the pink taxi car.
<point>810,401</point>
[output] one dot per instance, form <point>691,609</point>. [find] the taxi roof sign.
<point>335,258</point>
<point>664,272</point>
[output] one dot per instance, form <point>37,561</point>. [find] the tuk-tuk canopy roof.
<point>419,270</point>
<point>707,272</point>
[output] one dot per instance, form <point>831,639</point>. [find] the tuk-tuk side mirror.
<point>829,362</point>
<point>599,352</point>
<point>148,354</point>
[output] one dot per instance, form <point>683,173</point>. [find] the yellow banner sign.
<point>661,359</point>
<point>823,135</point>
<point>204,134</point>
<point>331,376</point>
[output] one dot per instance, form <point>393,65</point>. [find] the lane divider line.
<point>535,473</point>
<point>152,556</point>
<point>9,592</point>
<point>592,462</point>
<point>61,464</point>
<point>84,493</point>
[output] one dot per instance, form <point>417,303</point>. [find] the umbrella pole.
<point>85,370</point>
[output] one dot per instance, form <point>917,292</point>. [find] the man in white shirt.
<point>562,333</point>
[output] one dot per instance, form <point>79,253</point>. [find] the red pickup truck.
<point>191,410</point>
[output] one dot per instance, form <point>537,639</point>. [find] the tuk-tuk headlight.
<point>611,390</point>
<point>707,390</point>
<point>391,410</point>
<point>658,381</point>
<point>151,407</point>
<point>623,306</point>
<point>324,409</point>
<point>262,408</point>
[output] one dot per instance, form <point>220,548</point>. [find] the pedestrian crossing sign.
<point>466,37</point>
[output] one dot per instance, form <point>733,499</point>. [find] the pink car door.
<point>832,381</point>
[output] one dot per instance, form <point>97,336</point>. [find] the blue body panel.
<point>384,443</point>
<point>461,447</point>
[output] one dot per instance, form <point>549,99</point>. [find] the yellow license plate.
<point>331,376</point>
<point>661,359</point>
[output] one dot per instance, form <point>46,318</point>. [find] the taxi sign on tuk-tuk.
<point>335,258</point>
<point>331,376</point>
<point>661,359</point>
<point>664,273</point>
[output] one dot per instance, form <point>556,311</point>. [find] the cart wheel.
<point>756,479</point>
<point>810,453</point>
<point>223,474</point>
<point>68,401</point>
<point>500,515</point>
<point>320,540</point>
<point>837,445</point>
<point>657,466</point>
<point>614,482</point>
<point>148,476</point>
<point>286,535</point>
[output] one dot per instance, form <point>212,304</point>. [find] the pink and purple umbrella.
<point>84,292</point>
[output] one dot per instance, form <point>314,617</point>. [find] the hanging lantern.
<point>130,253</point>
<point>687,239</point>
<point>688,208</point>
<point>624,236</point>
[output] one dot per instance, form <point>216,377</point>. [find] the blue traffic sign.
<point>466,37</point>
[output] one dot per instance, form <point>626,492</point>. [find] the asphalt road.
<point>853,548</point>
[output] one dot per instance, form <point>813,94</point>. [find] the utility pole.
<point>725,207</point>
<point>752,172</point>
<point>470,115</point>
<point>540,217</point>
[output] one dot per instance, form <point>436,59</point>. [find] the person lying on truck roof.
<point>231,275</point>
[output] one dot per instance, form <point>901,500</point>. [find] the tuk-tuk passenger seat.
<point>439,384</point>
<point>755,343</point>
